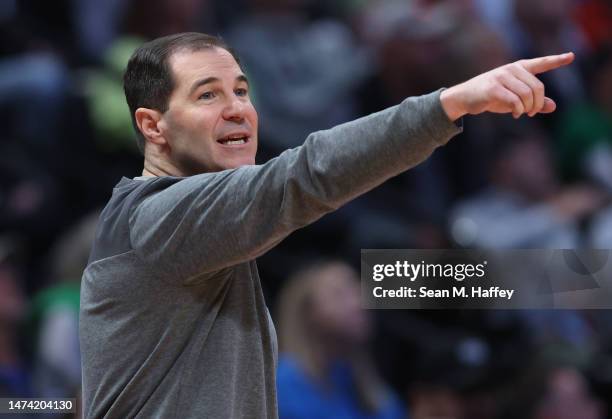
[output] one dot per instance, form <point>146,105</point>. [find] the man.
<point>173,319</point>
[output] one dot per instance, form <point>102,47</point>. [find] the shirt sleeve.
<point>207,222</point>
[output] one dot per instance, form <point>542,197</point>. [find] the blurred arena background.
<point>542,182</point>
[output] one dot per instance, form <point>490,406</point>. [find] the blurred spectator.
<point>554,392</point>
<point>585,133</point>
<point>525,205</point>
<point>324,371</point>
<point>451,363</point>
<point>431,402</point>
<point>33,88</point>
<point>14,372</point>
<point>151,19</point>
<point>411,40</point>
<point>541,27</point>
<point>545,27</point>
<point>54,315</point>
<point>110,115</point>
<point>567,397</point>
<point>97,25</point>
<point>595,19</point>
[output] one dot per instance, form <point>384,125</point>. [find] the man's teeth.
<point>235,139</point>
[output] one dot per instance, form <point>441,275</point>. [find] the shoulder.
<point>112,232</point>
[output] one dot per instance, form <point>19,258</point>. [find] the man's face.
<point>210,124</point>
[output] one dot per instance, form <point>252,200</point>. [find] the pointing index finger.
<point>550,62</point>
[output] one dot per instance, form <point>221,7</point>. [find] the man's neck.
<point>150,173</point>
<point>154,167</point>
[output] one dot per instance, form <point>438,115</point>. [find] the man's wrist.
<point>452,105</point>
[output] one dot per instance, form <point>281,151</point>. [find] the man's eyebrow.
<point>202,82</point>
<point>208,80</point>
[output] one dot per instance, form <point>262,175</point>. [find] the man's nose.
<point>234,110</point>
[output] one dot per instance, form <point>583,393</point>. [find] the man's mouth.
<point>234,139</point>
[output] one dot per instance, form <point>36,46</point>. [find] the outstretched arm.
<point>207,222</point>
<point>512,88</point>
<point>211,221</point>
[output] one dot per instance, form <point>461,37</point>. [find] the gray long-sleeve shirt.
<point>173,320</point>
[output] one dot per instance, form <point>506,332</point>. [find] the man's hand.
<point>512,88</point>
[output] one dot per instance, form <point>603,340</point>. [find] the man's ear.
<point>148,121</point>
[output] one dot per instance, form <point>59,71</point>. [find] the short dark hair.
<point>148,81</point>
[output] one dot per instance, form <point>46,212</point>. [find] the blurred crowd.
<point>541,182</point>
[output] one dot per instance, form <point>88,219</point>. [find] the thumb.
<point>549,106</point>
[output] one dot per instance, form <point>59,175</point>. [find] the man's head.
<point>190,105</point>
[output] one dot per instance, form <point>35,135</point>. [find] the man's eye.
<point>207,95</point>
<point>241,92</point>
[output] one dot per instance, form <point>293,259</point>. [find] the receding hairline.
<point>203,47</point>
